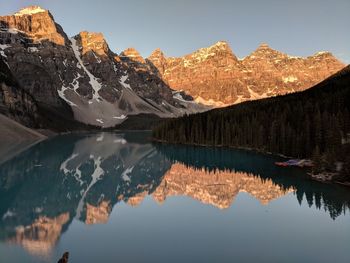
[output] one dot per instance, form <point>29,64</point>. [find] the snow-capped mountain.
<point>100,87</point>
<point>81,78</point>
<point>215,76</point>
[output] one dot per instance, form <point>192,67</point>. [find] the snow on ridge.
<point>289,79</point>
<point>30,11</point>
<point>96,86</point>
<point>320,53</point>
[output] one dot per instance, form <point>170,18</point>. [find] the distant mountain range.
<point>215,76</point>
<point>314,123</point>
<point>81,79</point>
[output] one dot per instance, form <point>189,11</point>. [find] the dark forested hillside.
<point>313,123</point>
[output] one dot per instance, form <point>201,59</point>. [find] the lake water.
<point>113,197</point>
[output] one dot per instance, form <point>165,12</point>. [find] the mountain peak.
<point>37,24</point>
<point>157,53</point>
<point>30,10</point>
<point>264,46</point>
<point>221,45</point>
<point>93,41</point>
<point>322,53</point>
<point>91,34</point>
<point>266,52</point>
<point>221,48</point>
<point>132,54</point>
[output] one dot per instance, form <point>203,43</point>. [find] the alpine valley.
<point>110,154</point>
<point>51,81</point>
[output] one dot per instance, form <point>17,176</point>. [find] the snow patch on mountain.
<point>2,48</point>
<point>30,11</point>
<point>289,79</point>
<point>123,79</point>
<point>96,86</point>
<point>121,117</point>
<point>62,94</point>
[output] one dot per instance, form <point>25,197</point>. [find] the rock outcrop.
<point>215,76</point>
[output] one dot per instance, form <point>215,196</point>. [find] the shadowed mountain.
<point>81,76</point>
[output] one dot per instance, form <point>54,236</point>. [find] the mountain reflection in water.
<point>83,176</point>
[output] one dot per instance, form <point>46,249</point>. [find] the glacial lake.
<point>116,197</point>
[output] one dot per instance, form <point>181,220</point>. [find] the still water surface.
<point>112,197</point>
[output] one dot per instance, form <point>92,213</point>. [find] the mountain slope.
<point>15,137</point>
<point>214,75</point>
<point>82,75</point>
<point>304,124</point>
<point>14,101</point>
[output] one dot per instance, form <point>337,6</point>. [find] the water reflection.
<point>333,199</point>
<point>83,176</point>
<point>217,188</point>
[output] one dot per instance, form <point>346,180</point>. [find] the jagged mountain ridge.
<point>215,76</point>
<point>100,87</point>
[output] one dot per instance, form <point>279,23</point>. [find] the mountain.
<point>312,123</point>
<point>215,76</point>
<point>83,80</point>
<point>81,74</point>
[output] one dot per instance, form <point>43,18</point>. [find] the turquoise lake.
<point>117,197</point>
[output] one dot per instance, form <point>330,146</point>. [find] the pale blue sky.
<point>178,27</point>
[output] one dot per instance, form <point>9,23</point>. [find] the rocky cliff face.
<point>81,76</point>
<point>14,101</point>
<point>214,75</point>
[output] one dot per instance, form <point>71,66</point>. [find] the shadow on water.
<point>83,176</point>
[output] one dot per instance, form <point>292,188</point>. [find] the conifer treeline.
<point>313,123</point>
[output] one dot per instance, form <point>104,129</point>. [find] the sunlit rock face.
<point>218,188</point>
<point>41,236</point>
<point>37,23</point>
<point>215,76</point>
<point>133,55</point>
<point>98,214</point>
<point>136,200</point>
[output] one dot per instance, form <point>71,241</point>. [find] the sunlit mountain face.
<point>81,178</point>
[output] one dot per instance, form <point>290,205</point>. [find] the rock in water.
<point>64,258</point>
